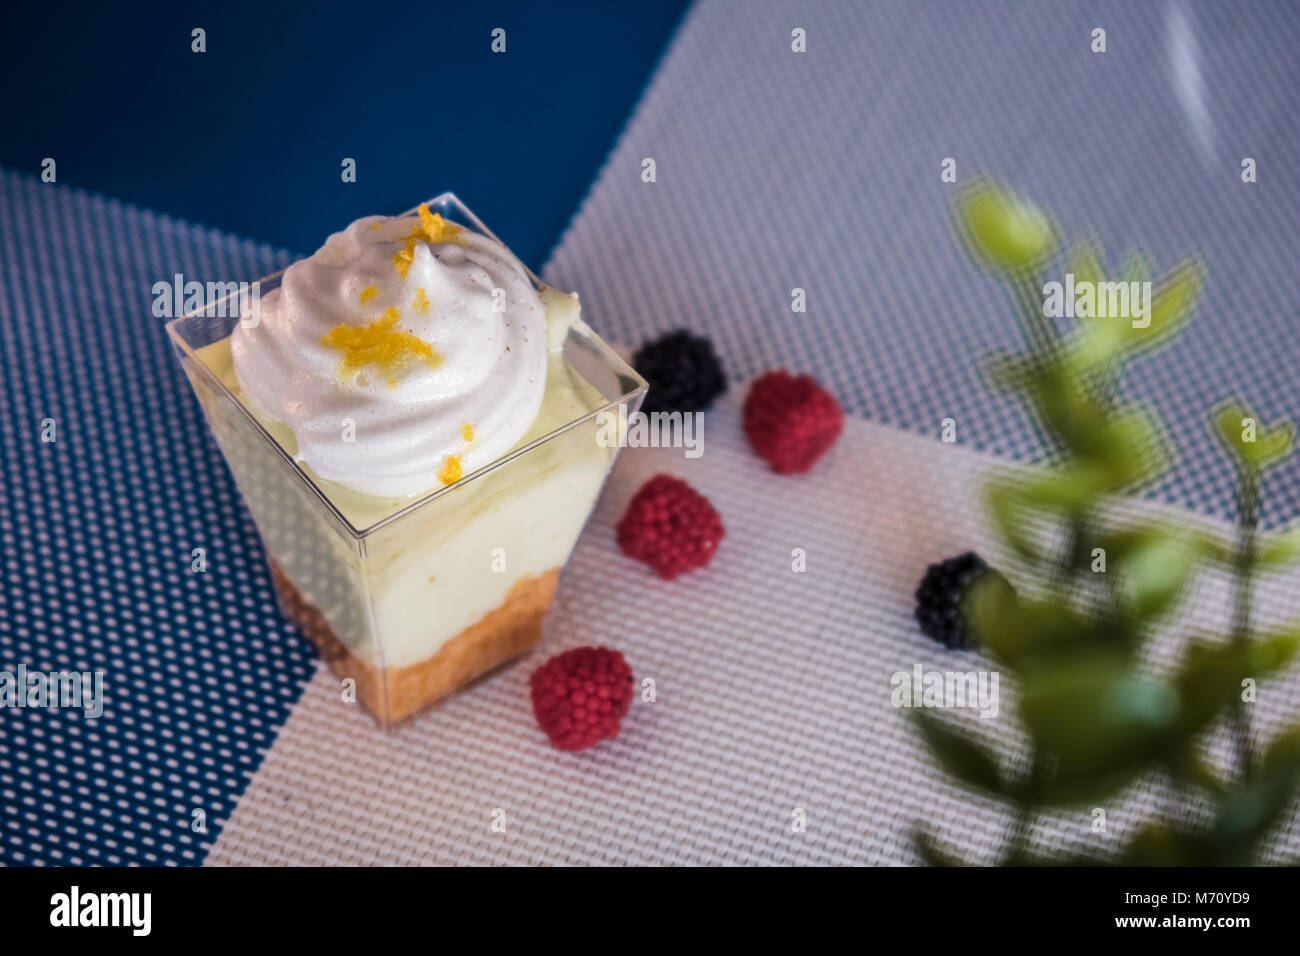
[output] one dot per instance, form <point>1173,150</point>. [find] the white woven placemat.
<point>773,693</point>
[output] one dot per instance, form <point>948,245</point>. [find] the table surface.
<point>775,170</point>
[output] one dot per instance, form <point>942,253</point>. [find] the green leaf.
<point>1273,446</point>
<point>1067,408</point>
<point>1132,447</point>
<point>1155,571</point>
<point>1122,542</point>
<point>1069,488</point>
<point>1005,231</point>
<point>1251,443</point>
<point>1172,304</point>
<point>995,615</point>
<point>1247,815</point>
<point>1085,261</point>
<point>1127,444</point>
<point>1209,677</point>
<point>1030,635</point>
<point>1278,549</point>
<point>1228,419</point>
<point>1215,548</point>
<point>959,755</point>
<point>1011,518</point>
<point>1063,785</point>
<point>1096,717</point>
<point>1136,267</point>
<point>1095,347</point>
<point>1187,767</point>
<point>1272,651</point>
<point>1206,682</point>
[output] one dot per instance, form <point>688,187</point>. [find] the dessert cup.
<point>411,599</point>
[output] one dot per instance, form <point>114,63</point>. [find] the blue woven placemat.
<point>98,528</point>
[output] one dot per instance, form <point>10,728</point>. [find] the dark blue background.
<point>249,136</point>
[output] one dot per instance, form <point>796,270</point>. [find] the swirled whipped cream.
<point>405,353</point>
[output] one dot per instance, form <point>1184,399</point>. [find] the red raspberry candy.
<point>670,526</point>
<point>580,696</point>
<point>791,420</point>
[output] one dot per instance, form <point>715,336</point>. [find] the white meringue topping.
<point>405,353</point>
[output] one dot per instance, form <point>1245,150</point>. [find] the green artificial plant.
<point>1096,716</point>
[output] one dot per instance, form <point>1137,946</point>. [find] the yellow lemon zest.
<point>421,303</point>
<point>368,293</point>
<point>450,472</point>
<point>436,229</point>
<point>467,431</point>
<point>403,258</point>
<point>431,228</point>
<point>380,345</point>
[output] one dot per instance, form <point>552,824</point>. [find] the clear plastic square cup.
<point>414,599</point>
